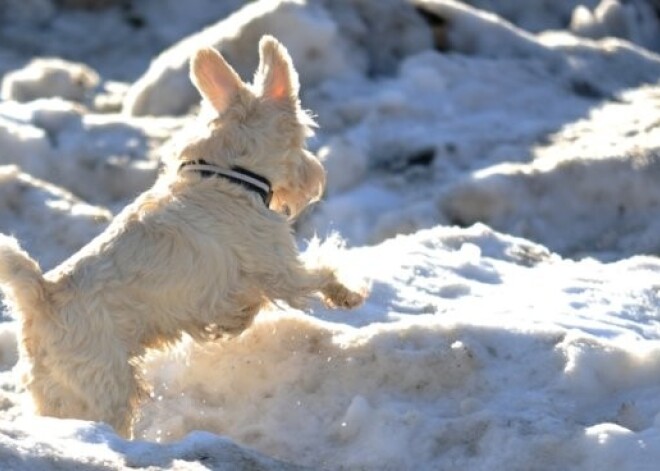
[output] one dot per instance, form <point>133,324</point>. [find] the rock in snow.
<point>492,167</point>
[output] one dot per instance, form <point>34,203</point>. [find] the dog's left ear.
<point>276,75</point>
<point>214,78</point>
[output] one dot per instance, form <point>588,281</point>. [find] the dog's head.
<point>258,126</point>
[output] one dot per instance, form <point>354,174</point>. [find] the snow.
<point>44,78</point>
<point>28,203</point>
<point>492,166</point>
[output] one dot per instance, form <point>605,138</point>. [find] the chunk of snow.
<point>47,78</point>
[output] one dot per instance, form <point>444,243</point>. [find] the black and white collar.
<point>238,175</point>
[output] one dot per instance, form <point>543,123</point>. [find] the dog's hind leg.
<point>53,399</point>
<point>113,397</point>
<point>101,396</point>
<point>106,389</point>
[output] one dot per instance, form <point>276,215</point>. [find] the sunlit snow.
<point>493,168</point>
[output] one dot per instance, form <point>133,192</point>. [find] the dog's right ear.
<point>276,74</point>
<point>214,78</point>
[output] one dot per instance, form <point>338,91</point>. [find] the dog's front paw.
<point>338,295</point>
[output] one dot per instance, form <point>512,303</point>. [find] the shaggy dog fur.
<point>192,254</point>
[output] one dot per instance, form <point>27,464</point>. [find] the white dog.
<point>201,252</point>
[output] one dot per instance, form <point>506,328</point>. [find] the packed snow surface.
<point>493,167</point>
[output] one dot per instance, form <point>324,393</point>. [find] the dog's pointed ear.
<point>214,78</point>
<point>278,78</point>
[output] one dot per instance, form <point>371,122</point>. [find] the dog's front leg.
<point>298,283</point>
<point>335,294</point>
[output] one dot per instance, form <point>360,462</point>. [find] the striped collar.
<point>247,179</point>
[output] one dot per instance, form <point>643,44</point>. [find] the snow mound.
<point>475,32</point>
<point>499,96</point>
<point>636,21</point>
<point>533,15</point>
<point>474,348</point>
<point>104,158</point>
<point>166,89</point>
<point>594,196</point>
<point>47,78</point>
<point>372,39</point>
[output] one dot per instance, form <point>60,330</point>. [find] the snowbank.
<point>501,99</point>
<point>476,349</point>
<point>104,158</point>
<point>458,357</point>
<point>596,196</point>
<point>166,89</point>
<point>474,32</point>
<point>325,40</point>
<point>635,21</point>
<point>98,38</point>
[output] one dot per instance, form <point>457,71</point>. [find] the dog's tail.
<point>21,278</point>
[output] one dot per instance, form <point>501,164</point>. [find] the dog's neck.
<point>247,179</point>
